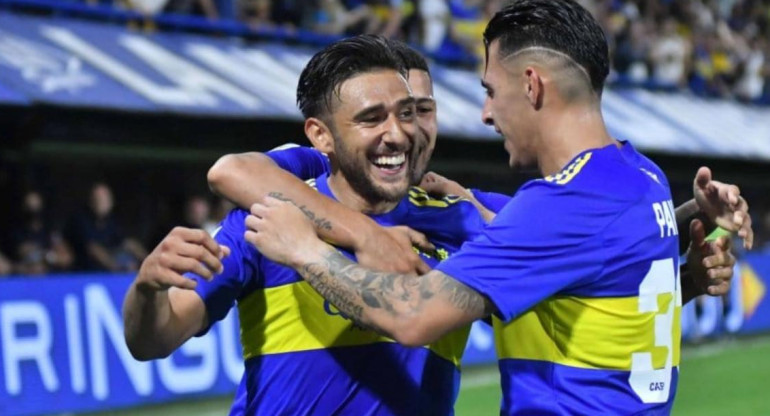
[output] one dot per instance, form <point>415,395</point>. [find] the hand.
<point>435,184</point>
<point>281,231</point>
<point>183,250</point>
<point>390,250</point>
<point>722,203</point>
<point>710,263</point>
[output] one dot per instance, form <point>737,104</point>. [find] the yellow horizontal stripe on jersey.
<point>598,333</point>
<point>293,317</point>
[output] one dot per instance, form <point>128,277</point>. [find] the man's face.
<point>374,132</point>
<point>33,203</point>
<point>508,109</point>
<point>101,200</point>
<point>427,123</point>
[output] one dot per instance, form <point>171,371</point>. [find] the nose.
<point>486,113</point>
<point>398,133</point>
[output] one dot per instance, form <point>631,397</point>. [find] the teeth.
<point>390,160</point>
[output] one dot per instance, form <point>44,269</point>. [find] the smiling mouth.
<point>390,164</point>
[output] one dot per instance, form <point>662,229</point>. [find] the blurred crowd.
<point>715,48</point>
<point>92,238</point>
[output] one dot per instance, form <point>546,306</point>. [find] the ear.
<point>319,134</point>
<point>534,87</point>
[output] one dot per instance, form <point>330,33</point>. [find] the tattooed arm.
<point>248,177</point>
<point>413,310</point>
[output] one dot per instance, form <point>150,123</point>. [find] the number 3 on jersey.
<point>659,293</point>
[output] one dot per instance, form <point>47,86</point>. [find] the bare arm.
<point>413,310</point>
<point>158,322</point>
<point>161,311</point>
<point>249,177</point>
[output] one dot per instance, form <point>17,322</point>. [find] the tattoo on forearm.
<point>355,290</point>
<point>320,223</point>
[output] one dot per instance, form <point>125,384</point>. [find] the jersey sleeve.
<point>491,200</point>
<point>541,243</point>
<point>303,162</point>
<point>240,269</point>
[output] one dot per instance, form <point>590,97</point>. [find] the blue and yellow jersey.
<point>582,267</point>
<point>305,357</point>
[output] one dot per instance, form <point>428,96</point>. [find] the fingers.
<point>747,233</point>
<point>429,177</point>
<point>167,277</point>
<point>697,234</point>
<point>723,243</point>
<point>720,274</point>
<point>730,194</point>
<point>258,210</point>
<point>253,221</point>
<point>742,221</point>
<point>198,237</point>
<point>703,177</point>
<point>422,268</point>
<point>201,254</point>
<point>419,240</point>
<point>719,259</point>
<point>251,237</point>
<point>718,288</point>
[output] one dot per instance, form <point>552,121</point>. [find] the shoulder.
<point>603,174</point>
<point>588,194</point>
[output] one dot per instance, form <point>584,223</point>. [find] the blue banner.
<point>65,61</point>
<point>62,348</point>
<point>62,345</point>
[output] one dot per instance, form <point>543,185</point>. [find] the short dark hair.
<point>411,58</point>
<point>561,25</point>
<point>338,62</point>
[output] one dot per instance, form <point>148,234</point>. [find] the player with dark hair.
<point>302,355</point>
<point>580,268</point>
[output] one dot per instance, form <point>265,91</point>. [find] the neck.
<point>349,197</point>
<point>574,130</point>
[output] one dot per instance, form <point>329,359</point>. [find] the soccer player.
<point>582,264</point>
<point>302,354</point>
<point>713,204</point>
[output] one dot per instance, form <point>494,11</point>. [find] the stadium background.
<point>146,100</point>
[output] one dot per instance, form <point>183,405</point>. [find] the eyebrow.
<point>406,101</point>
<point>426,100</point>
